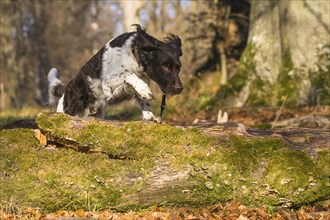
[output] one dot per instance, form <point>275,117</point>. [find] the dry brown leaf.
<point>155,208</point>
<point>28,210</point>
<point>80,213</point>
<point>40,137</point>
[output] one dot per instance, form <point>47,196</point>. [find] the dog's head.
<point>160,60</point>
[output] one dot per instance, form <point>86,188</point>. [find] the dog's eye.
<point>165,67</point>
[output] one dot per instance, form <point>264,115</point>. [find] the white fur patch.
<point>147,114</point>
<point>142,88</point>
<point>60,105</point>
<point>118,59</point>
<point>52,82</point>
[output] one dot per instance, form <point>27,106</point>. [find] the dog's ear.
<point>174,41</point>
<point>138,28</point>
<point>146,44</point>
<point>148,51</point>
<point>147,47</point>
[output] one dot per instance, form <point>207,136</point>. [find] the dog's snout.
<point>178,88</point>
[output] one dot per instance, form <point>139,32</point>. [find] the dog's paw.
<point>148,116</point>
<point>156,119</point>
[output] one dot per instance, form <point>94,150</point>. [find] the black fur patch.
<point>120,40</point>
<point>93,67</point>
<point>78,96</point>
<point>59,90</point>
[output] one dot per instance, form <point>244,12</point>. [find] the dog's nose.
<point>178,89</point>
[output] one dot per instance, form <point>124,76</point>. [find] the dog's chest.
<point>118,63</point>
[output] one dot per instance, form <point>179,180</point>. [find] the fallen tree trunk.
<point>94,164</point>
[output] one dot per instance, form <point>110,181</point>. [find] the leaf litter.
<point>231,210</point>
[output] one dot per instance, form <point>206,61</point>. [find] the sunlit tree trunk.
<point>131,11</point>
<point>284,41</point>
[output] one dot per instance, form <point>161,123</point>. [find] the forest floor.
<point>232,210</point>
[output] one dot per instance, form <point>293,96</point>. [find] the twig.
<point>278,114</point>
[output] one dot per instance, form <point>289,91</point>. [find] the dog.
<point>121,70</point>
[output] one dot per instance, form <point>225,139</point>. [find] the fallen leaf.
<point>40,137</point>
<point>80,213</point>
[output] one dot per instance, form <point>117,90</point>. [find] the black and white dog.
<point>121,70</point>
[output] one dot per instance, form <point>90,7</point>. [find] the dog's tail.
<point>55,87</point>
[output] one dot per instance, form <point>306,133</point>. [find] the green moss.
<point>234,86</point>
<point>292,162</point>
<point>244,155</point>
<point>58,123</point>
<point>260,91</point>
<point>323,160</point>
<point>220,170</point>
<point>320,78</point>
<point>307,181</point>
<point>18,136</point>
<point>245,69</point>
<point>288,82</point>
<point>57,179</point>
<point>131,139</point>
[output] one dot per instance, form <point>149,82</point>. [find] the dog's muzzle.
<point>175,88</point>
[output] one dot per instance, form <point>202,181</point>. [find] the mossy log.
<point>94,164</point>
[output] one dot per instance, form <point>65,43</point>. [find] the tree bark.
<point>6,55</point>
<point>40,49</point>
<point>284,44</point>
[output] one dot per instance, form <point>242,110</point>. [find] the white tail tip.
<point>52,75</point>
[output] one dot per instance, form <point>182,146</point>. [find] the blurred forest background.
<point>236,53</point>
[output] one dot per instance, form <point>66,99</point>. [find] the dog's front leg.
<point>147,112</point>
<point>144,96</point>
<point>141,88</point>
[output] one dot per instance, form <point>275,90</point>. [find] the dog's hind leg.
<point>100,112</point>
<point>60,105</point>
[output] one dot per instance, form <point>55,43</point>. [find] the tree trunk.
<point>40,12</point>
<point>285,44</point>
<point>131,10</point>
<point>87,163</point>
<point>7,57</point>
